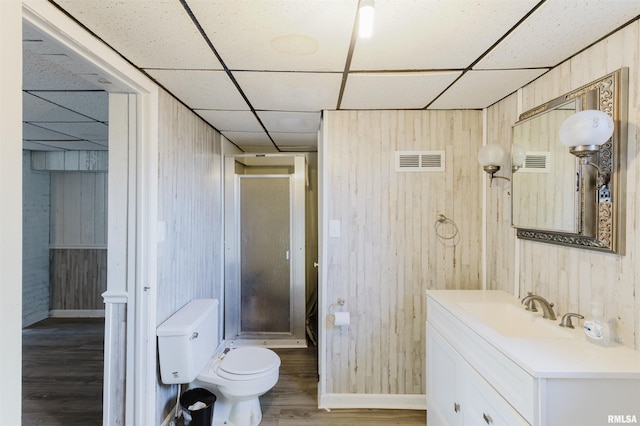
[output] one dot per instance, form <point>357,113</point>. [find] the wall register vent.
<point>537,162</point>
<point>420,161</point>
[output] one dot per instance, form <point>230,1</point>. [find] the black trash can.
<point>199,414</point>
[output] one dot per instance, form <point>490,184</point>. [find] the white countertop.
<point>558,357</point>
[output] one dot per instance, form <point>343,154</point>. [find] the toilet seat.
<point>246,363</point>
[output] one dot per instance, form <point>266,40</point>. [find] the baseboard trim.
<point>76,313</point>
<point>384,401</point>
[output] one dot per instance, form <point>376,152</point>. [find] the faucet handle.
<point>566,319</point>
<point>530,305</point>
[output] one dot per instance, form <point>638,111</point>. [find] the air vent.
<point>420,161</point>
<point>537,162</point>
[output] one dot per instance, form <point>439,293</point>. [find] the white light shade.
<point>518,155</point>
<point>365,19</point>
<point>588,127</point>
<point>491,155</point>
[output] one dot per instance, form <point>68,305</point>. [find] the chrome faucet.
<point>547,308</point>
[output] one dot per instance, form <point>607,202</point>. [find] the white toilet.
<point>187,343</point>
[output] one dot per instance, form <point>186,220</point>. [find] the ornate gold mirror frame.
<point>602,212</point>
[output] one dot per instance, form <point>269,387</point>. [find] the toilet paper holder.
<point>341,318</point>
<point>338,305</point>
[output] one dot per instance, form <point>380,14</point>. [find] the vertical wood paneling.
<point>78,278</point>
<point>571,277</point>
<point>35,243</point>
<point>190,211</point>
<point>388,254</point>
<point>78,209</point>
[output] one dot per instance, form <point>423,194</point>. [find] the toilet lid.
<point>249,360</point>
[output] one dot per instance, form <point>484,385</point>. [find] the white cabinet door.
<point>443,404</point>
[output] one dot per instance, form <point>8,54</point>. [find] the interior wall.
<point>572,277</point>
<point>11,211</point>
<point>387,254</point>
<point>36,198</point>
<point>190,217</point>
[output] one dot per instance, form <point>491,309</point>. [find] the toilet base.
<point>245,412</point>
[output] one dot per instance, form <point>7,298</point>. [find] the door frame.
<point>130,285</point>
<point>232,250</point>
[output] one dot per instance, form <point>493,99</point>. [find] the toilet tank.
<point>187,340</point>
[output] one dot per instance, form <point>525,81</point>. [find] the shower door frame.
<point>232,297</point>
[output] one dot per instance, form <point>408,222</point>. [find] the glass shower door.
<point>265,244</point>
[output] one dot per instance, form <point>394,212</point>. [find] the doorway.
<point>265,250</point>
<point>129,370</point>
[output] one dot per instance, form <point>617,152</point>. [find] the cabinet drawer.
<point>484,406</point>
<point>515,385</point>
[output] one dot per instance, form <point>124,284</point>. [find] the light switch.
<point>334,228</point>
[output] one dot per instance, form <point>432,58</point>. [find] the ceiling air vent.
<point>419,161</point>
<point>537,162</point>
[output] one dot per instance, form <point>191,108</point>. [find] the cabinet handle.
<point>456,407</point>
<point>487,418</point>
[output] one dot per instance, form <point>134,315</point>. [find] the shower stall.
<point>265,250</point>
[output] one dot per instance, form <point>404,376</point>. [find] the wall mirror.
<point>555,198</point>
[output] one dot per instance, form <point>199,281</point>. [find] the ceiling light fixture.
<point>365,18</point>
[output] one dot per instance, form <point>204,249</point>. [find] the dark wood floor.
<point>62,383</point>
<point>62,369</point>
<point>294,399</point>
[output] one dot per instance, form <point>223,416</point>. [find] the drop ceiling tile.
<point>36,132</point>
<point>41,72</point>
<point>261,149</point>
<point>231,120</point>
<point>395,90</point>
<point>201,89</point>
<point>426,35</point>
<point>248,138</point>
<point>278,35</point>
<point>151,34</point>
<point>290,140</point>
<point>38,146</point>
<point>86,130</point>
<point>80,145</point>
<point>282,91</point>
<point>93,104</point>
<point>37,109</point>
<point>480,89</point>
<point>289,121</point>
<point>557,30</point>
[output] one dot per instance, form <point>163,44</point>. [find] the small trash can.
<point>197,407</point>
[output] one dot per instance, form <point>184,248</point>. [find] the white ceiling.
<point>261,71</point>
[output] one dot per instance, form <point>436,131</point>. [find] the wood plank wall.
<point>78,240</point>
<point>190,207</point>
<point>78,210</point>
<point>571,277</point>
<point>78,278</point>
<point>388,254</point>
<point>35,242</point>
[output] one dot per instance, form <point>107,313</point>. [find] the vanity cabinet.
<point>476,376</point>
<point>459,394</point>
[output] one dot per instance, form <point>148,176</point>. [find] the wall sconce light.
<point>518,157</point>
<point>365,18</point>
<point>490,157</point>
<point>583,133</point>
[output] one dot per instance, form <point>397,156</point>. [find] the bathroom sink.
<point>515,321</point>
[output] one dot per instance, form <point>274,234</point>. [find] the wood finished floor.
<point>62,383</point>
<point>62,369</point>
